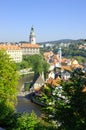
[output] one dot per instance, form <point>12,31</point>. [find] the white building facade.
<point>30,49</point>
<point>14,51</point>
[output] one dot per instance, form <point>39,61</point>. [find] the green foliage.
<point>26,122</point>
<point>27,86</point>
<point>45,68</point>
<point>45,126</point>
<point>73,114</point>
<point>8,78</point>
<point>68,106</point>
<point>74,52</point>
<point>80,59</point>
<point>8,84</point>
<point>22,65</point>
<point>20,121</point>
<point>5,110</point>
<point>38,64</point>
<point>9,119</point>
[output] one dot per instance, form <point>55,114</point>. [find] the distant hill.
<point>62,41</point>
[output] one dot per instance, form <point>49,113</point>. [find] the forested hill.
<point>64,41</point>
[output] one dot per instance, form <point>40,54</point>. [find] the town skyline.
<point>52,20</point>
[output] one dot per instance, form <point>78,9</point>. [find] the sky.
<point>51,19</point>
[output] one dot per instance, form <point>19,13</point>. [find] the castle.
<point>16,51</point>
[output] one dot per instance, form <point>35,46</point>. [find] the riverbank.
<point>31,96</point>
<point>24,103</point>
<point>34,100</point>
<point>26,71</point>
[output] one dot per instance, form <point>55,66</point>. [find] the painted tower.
<point>32,38</point>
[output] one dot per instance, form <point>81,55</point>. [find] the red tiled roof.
<point>27,45</point>
<point>76,66</point>
<point>63,60</point>
<point>54,82</point>
<point>48,53</point>
<point>9,47</point>
<point>66,68</point>
<point>84,89</point>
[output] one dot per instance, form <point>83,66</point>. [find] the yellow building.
<point>14,51</point>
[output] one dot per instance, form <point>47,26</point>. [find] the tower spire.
<point>32,38</point>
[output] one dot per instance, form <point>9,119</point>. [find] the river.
<point>24,104</point>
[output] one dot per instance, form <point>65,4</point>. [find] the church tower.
<point>32,38</point>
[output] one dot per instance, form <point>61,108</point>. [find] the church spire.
<point>32,38</point>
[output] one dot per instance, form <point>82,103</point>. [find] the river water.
<point>24,104</point>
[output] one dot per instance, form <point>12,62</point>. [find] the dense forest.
<point>73,52</point>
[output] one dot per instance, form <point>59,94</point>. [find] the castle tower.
<point>32,38</point>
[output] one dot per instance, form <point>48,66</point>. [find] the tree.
<point>9,119</point>
<point>26,122</point>
<point>8,84</point>
<point>38,63</point>
<point>45,68</point>
<point>68,106</point>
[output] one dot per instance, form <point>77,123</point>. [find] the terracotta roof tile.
<point>84,89</point>
<point>50,53</point>
<point>9,47</point>
<point>67,68</point>
<point>27,45</point>
<point>76,66</point>
<point>54,82</point>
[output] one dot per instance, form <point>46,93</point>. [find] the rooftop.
<point>9,47</point>
<point>28,45</point>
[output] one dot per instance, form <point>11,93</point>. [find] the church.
<point>32,47</point>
